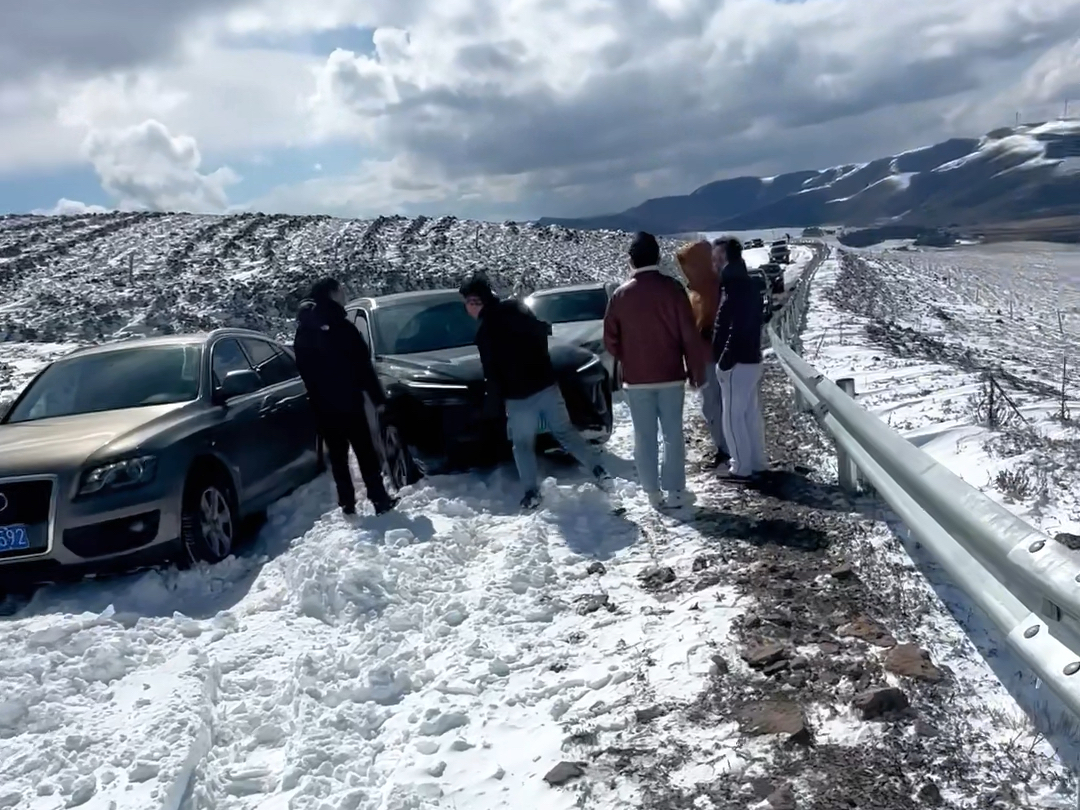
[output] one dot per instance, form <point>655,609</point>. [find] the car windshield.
<point>412,327</point>
<point>570,306</point>
<point>111,381</point>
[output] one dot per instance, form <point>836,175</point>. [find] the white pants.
<point>743,425</point>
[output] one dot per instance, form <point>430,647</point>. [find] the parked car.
<point>775,273</point>
<point>423,348</point>
<point>576,315</point>
<point>756,243</point>
<point>780,254</point>
<point>128,453</point>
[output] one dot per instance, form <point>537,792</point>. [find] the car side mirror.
<point>237,383</point>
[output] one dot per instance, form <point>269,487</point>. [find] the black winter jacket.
<point>334,361</point>
<point>737,331</point>
<point>513,345</point>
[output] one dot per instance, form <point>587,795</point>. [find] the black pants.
<point>340,431</point>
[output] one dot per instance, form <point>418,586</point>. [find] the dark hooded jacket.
<point>334,360</point>
<point>513,346</point>
<point>737,332</point>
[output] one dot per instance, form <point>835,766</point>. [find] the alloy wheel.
<point>216,522</point>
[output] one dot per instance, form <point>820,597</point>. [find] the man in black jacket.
<point>513,346</point>
<point>737,353</point>
<point>336,367</point>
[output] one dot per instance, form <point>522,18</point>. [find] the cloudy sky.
<point>494,108</point>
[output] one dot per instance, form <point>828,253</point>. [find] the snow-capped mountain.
<point>1026,172</point>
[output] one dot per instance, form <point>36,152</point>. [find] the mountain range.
<point>1031,171</point>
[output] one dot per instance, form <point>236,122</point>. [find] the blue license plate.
<point>14,538</point>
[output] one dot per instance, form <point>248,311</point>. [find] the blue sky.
<point>512,110</point>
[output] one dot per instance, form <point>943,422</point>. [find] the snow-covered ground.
<point>455,653</point>
<point>919,333</point>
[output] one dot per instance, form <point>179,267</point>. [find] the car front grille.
<point>25,502</point>
<point>25,512</point>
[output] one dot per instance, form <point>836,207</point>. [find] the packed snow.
<point>455,653</point>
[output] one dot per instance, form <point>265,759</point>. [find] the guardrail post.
<point>846,472</point>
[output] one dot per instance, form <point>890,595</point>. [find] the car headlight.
<point>591,364</point>
<point>132,472</point>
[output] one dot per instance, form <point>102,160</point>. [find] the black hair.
<point>322,289</point>
<point>732,247</point>
<point>644,250</point>
<point>477,285</point>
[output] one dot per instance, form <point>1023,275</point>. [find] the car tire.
<point>401,466</point>
<point>209,522</point>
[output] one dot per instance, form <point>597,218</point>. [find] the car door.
<point>246,438</point>
<point>287,409</point>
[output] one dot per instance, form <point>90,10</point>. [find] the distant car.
<point>126,453</point>
<point>780,253</point>
<point>775,273</point>
<point>576,315</point>
<point>422,344</point>
<point>756,243</point>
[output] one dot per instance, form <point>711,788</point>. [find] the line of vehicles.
<point>137,452</point>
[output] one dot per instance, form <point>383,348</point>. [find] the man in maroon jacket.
<point>649,328</point>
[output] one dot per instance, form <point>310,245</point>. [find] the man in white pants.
<point>737,352</point>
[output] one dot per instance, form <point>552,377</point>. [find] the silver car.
<point>576,315</point>
<point>122,454</point>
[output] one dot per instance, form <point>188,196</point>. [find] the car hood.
<point>66,442</point>
<point>579,332</point>
<point>462,364</point>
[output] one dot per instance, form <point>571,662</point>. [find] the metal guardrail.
<point>1026,583</point>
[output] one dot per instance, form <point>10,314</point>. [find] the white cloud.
<point>66,207</point>
<point>573,107</point>
<point>146,167</point>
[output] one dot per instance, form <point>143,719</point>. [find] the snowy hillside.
<point>1020,173</point>
<point>75,279</point>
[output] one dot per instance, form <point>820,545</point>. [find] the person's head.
<point>726,249</point>
<point>644,251</point>
<point>476,290</point>
<point>327,290</point>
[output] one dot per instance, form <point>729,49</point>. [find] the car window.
<point>422,326</point>
<point>115,380</point>
<point>227,357</point>
<point>571,306</point>
<point>272,364</point>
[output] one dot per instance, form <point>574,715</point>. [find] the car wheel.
<point>209,522</point>
<point>401,467</point>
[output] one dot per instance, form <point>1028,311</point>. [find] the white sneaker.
<point>679,499</point>
<point>656,499</point>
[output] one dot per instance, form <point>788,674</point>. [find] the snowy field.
<point>921,333</point>
<point>456,654</point>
